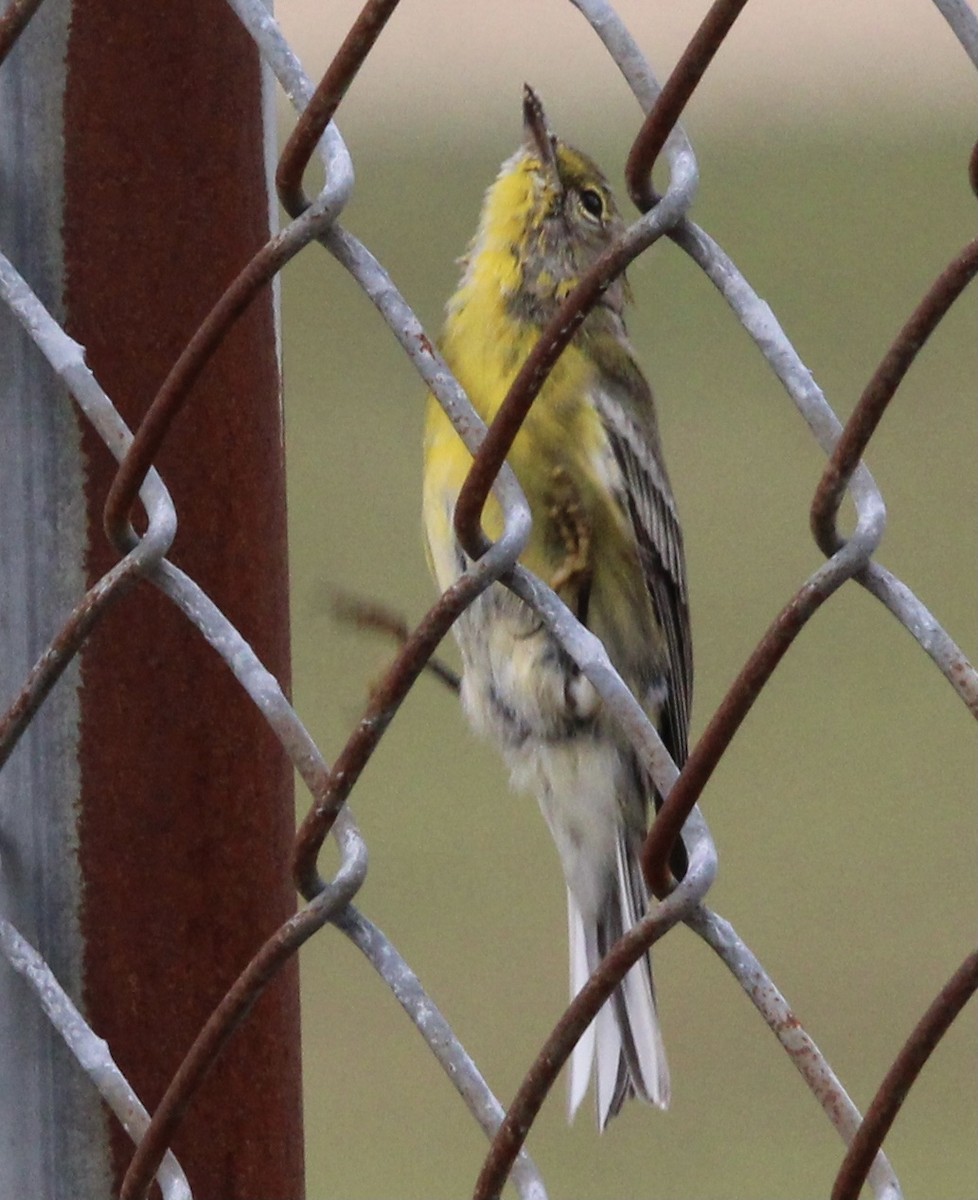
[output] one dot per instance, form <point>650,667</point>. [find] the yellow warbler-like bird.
<point>605,537</point>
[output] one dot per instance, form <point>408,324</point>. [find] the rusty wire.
<point>330,901</point>
<point>66,358</point>
<point>556,336</point>
<point>91,1052</point>
<point>917,1049</point>
<point>324,102</point>
<point>880,391</point>
<point>676,91</point>
<point>556,1050</point>
<point>13,21</point>
<point>378,618</point>
<point>794,1039</point>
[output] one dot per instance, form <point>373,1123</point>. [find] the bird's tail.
<point>623,1043</point>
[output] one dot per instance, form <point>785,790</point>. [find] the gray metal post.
<point>53,1136</point>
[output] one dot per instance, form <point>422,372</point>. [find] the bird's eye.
<point>591,202</point>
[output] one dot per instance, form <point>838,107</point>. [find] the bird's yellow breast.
<point>555,453</point>
<point>582,542</point>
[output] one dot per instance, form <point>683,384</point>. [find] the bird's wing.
<point>648,500</point>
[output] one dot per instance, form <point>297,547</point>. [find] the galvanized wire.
<point>91,1052</point>
<point>330,901</point>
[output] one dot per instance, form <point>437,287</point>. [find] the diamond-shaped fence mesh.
<point>64,608</point>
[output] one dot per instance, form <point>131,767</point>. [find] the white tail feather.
<point>643,1019</point>
<point>608,1051</point>
<point>583,1054</point>
<point>601,1050</point>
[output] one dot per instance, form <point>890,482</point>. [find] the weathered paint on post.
<point>171,800</point>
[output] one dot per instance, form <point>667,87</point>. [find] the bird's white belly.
<point>521,690</point>
<point>575,784</point>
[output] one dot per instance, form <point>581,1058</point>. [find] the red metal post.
<point>186,813</point>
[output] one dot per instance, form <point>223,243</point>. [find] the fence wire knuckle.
<point>329,901</point>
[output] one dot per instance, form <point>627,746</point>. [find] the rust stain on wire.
<point>326,99</point>
<point>900,1078</point>
<point>676,91</point>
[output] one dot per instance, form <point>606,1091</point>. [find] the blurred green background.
<point>843,812</point>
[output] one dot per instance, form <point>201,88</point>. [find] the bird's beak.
<point>536,131</point>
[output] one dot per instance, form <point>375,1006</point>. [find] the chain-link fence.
<point>328,896</point>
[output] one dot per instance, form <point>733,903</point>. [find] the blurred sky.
<point>781,62</point>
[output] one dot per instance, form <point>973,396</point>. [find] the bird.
<point>605,536</point>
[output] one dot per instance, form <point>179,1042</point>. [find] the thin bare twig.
<point>371,615</point>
